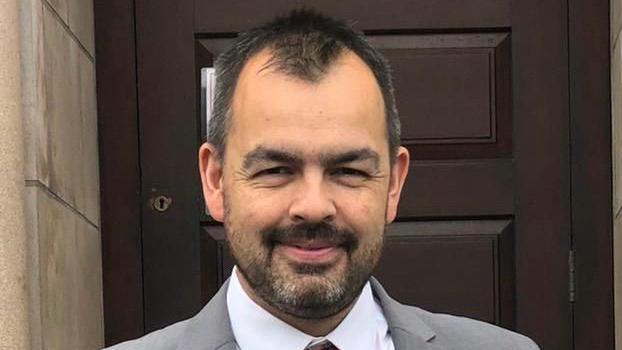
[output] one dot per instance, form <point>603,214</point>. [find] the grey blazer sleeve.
<point>163,339</point>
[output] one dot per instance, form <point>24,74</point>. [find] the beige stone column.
<point>14,329</point>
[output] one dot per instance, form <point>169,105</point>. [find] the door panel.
<point>458,267</point>
<point>453,93</point>
<point>458,188</point>
<point>483,223</point>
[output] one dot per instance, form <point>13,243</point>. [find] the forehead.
<point>344,108</point>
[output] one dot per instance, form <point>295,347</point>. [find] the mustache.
<point>321,231</point>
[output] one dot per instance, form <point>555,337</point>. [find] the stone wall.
<point>14,320</point>
<point>616,154</point>
<point>61,174</point>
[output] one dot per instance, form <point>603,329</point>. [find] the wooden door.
<point>484,225</point>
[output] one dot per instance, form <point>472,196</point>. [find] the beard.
<point>306,290</point>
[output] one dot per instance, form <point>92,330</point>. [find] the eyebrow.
<point>357,155</point>
<point>266,154</point>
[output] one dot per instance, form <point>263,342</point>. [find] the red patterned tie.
<point>325,345</point>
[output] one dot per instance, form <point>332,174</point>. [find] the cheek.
<point>365,217</point>
<point>255,210</point>
<point>369,204</point>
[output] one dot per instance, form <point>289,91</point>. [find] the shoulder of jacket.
<point>163,339</point>
<point>469,334</point>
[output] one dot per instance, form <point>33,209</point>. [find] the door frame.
<point>590,171</point>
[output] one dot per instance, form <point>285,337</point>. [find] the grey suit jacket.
<point>411,329</point>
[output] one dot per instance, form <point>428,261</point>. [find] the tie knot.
<point>325,345</point>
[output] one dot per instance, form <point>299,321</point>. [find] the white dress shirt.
<point>255,328</point>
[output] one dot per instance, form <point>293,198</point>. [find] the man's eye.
<point>281,170</point>
<point>350,172</point>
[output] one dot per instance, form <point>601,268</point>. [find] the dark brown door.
<point>484,222</point>
<point>482,88</point>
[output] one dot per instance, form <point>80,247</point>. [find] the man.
<point>304,168</point>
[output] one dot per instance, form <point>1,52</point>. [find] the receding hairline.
<point>260,63</point>
<point>267,61</point>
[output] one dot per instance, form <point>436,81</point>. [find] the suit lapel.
<point>210,329</point>
<point>408,331</point>
<point>403,340</point>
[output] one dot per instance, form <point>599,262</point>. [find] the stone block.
<point>81,22</point>
<point>615,19</point>
<point>67,162</point>
<point>31,212</point>
<point>31,28</point>
<point>90,145</point>
<point>70,277</point>
<point>61,114</point>
<point>60,7</point>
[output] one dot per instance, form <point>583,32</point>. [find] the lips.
<point>309,245</point>
<point>310,251</point>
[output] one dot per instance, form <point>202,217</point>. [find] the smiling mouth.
<point>310,252</point>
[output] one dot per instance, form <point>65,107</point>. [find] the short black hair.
<point>303,44</point>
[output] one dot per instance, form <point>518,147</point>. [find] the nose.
<point>312,202</point>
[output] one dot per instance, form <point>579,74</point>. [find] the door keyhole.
<point>162,203</point>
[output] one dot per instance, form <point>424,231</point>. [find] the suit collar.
<point>407,329</point>
<point>211,329</point>
<point>400,317</point>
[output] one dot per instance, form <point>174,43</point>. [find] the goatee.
<point>308,290</point>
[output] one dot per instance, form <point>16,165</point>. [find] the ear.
<point>211,169</point>
<point>399,170</point>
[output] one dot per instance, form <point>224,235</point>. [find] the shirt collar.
<point>257,329</point>
<point>364,327</point>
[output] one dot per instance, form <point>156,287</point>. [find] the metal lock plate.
<point>162,203</point>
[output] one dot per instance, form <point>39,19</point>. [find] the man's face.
<point>306,189</point>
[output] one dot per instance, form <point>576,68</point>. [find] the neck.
<point>315,327</point>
